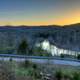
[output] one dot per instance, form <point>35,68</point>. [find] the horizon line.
<point>38,25</point>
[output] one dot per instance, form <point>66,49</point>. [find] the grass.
<point>23,71</point>
<point>33,70</point>
<point>47,68</point>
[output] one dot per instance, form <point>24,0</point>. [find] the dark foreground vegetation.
<point>27,70</point>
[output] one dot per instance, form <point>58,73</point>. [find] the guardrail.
<point>37,57</point>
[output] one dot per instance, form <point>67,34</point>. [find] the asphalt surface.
<point>40,59</point>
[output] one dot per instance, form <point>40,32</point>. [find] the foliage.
<point>59,75</point>
<point>27,64</point>
<point>40,52</point>
<point>23,47</point>
<point>67,76</point>
<point>76,76</point>
<point>62,56</point>
<point>32,70</point>
<point>78,56</point>
<point>43,34</point>
<point>34,66</point>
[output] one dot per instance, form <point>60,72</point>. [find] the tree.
<point>23,48</point>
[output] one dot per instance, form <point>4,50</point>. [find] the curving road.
<point>41,59</point>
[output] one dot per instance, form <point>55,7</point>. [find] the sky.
<point>39,12</point>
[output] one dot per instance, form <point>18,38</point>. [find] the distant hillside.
<point>67,36</point>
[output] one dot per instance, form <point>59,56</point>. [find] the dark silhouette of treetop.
<point>23,47</point>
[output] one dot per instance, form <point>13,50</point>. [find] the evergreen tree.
<point>23,48</point>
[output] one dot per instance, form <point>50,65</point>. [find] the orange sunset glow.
<point>39,12</point>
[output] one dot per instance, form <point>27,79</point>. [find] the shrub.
<point>67,77</point>
<point>34,66</point>
<point>27,64</point>
<point>76,76</point>
<point>36,74</point>
<point>78,56</point>
<point>59,75</point>
<point>62,56</point>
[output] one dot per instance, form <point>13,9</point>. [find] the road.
<point>38,59</point>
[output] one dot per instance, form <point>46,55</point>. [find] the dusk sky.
<point>39,12</point>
